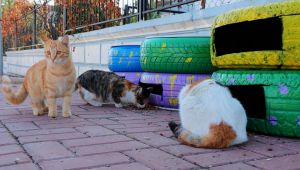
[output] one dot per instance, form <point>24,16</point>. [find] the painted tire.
<point>134,77</point>
<point>171,86</point>
<point>238,40</point>
<point>125,58</point>
<point>176,55</point>
<point>281,93</point>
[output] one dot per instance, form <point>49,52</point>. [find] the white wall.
<point>90,50</point>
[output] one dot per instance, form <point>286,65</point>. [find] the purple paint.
<point>250,77</point>
<point>298,120</point>
<point>171,84</point>
<point>272,120</point>
<point>231,81</point>
<point>134,77</point>
<point>283,89</point>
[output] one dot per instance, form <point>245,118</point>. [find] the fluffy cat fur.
<point>98,87</point>
<point>47,80</point>
<point>210,117</point>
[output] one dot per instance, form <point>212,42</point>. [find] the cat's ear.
<point>65,40</point>
<point>45,38</point>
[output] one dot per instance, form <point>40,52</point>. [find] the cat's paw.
<point>118,105</point>
<point>67,114</point>
<point>52,114</point>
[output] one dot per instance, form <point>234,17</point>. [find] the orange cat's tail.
<point>14,98</point>
<point>220,136</point>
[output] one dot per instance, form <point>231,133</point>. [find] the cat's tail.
<point>219,136</point>
<point>14,98</point>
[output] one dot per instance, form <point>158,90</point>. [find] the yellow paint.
<point>259,12</point>
<point>157,78</point>
<point>138,74</point>
<point>288,58</point>
<point>173,101</point>
<point>116,53</point>
<point>120,60</point>
<point>172,82</point>
<point>130,54</point>
<point>164,45</point>
<point>145,61</point>
<point>190,79</point>
<point>188,60</point>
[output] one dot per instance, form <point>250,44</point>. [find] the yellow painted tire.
<point>258,37</point>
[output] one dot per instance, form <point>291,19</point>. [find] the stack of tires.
<point>260,48</point>
<point>125,61</point>
<point>172,62</point>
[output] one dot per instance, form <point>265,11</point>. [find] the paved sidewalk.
<point>126,139</point>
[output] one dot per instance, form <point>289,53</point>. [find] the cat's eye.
<point>58,52</point>
<point>48,53</point>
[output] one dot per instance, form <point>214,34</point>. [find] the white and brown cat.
<point>50,78</point>
<point>210,117</point>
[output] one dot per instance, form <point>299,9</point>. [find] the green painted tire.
<point>176,55</point>
<point>281,91</point>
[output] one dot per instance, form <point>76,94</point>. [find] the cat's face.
<point>57,51</point>
<point>142,95</point>
<point>136,95</point>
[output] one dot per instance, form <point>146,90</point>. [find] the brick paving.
<point>109,138</point>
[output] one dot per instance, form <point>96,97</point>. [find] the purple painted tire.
<point>171,86</point>
<point>134,77</point>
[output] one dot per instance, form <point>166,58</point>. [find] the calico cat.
<point>210,117</point>
<point>98,87</point>
<point>47,80</point>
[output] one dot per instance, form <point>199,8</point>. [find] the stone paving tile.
<point>43,132</point>
<point>110,147</point>
<point>293,146</point>
<point>85,162</point>
<point>153,139</point>
<point>181,150</point>
<point>136,130</point>
<point>3,130</point>
<point>159,160</point>
<point>6,138</point>
<point>283,163</point>
<point>9,149</point>
<point>21,126</point>
<point>136,125</point>
<point>66,125</point>
<point>268,150</point>
<point>131,166</point>
<point>272,140</point>
<point>236,166</point>
<point>51,137</point>
<point>95,131</point>
<point>103,121</point>
<point>95,140</point>
<point>9,112</point>
<point>23,166</point>
<point>47,150</point>
<point>15,158</point>
<point>224,157</point>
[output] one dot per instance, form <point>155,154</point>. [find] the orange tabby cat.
<point>47,80</point>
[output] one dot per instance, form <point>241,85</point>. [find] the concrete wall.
<point>90,49</point>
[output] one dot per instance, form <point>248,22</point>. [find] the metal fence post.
<point>141,10</point>
<point>1,41</point>
<point>64,18</point>
<point>34,27</point>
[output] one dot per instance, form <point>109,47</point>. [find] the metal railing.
<point>75,16</point>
